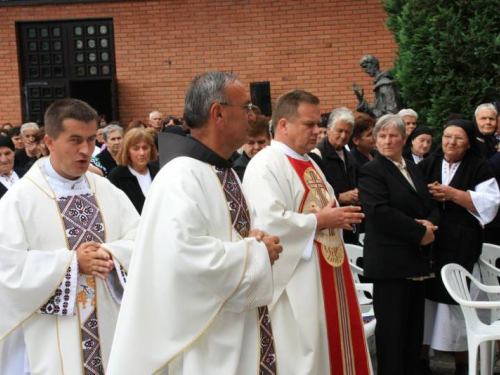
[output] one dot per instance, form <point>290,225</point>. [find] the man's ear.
<point>282,126</point>
<point>49,142</point>
<point>216,112</point>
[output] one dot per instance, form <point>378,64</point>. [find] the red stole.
<point>346,337</point>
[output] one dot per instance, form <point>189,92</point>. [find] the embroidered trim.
<point>62,301</point>
<point>267,351</point>
<point>83,223</point>
<point>236,202</point>
<point>241,223</point>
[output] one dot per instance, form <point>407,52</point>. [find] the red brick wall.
<point>161,45</point>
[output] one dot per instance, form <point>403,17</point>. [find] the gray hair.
<point>340,114</point>
<point>110,129</point>
<point>28,126</point>
<point>205,90</point>
<point>389,120</point>
<point>487,106</point>
<point>153,113</point>
<point>408,112</point>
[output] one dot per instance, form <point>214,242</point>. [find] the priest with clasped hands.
<point>201,278</point>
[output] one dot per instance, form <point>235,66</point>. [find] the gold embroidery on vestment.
<point>317,198</point>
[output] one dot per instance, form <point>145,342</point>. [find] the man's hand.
<point>273,247</point>
<point>271,242</point>
<point>258,234</point>
<point>94,260</point>
<point>349,197</point>
<point>429,235</point>
<point>338,217</point>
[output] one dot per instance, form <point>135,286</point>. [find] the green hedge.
<point>449,55</point>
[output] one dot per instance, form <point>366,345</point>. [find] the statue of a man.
<point>386,93</point>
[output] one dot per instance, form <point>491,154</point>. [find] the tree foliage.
<point>449,55</point>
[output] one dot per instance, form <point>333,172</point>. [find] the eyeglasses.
<point>247,106</point>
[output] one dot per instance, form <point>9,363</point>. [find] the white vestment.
<point>194,283</point>
<point>275,193</point>
<point>35,259</point>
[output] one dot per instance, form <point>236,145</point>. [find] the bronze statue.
<point>386,93</point>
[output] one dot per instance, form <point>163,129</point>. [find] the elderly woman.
<point>400,222</point>
<point>419,145</point>
<point>469,198</point>
<point>8,174</point>
<point>30,152</point>
<point>135,172</point>
<point>410,118</point>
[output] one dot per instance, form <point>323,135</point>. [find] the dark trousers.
<point>399,310</point>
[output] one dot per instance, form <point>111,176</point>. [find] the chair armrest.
<point>356,269</point>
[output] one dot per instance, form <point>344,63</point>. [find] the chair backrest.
<point>354,252</point>
<point>489,254</point>
<point>490,274</point>
<point>455,280</point>
<point>361,239</point>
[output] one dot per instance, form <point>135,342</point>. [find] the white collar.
<point>58,182</point>
<point>288,151</point>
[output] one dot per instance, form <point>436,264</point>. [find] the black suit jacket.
<point>20,172</point>
<point>343,176</point>
<point>123,179</point>
<point>391,205</point>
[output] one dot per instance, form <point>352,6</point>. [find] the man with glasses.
<point>196,298</point>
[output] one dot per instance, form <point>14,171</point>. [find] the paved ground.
<point>441,364</point>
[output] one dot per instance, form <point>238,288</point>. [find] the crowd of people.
<point>230,258</point>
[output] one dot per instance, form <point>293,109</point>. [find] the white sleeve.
<point>486,199</point>
<point>116,281</point>
<point>306,255</point>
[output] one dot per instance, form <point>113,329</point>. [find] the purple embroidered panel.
<point>267,351</point>
<point>82,219</point>
<point>241,223</point>
<point>91,347</point>
<point>235,201</point>
<point>83,223</point>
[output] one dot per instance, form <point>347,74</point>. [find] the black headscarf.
<point>420,130</point>
<point>6,142</point>
<point>470,130</point>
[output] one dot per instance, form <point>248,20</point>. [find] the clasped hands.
<point>271,242</point>
<point>441,192</point>
<point>430,228</point>
<point>94,260</point>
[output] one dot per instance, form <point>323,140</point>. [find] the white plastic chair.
<point>478,334</point>
<point>487,261</point>
<point>361,238</point>
<point>489,272</point>
<point>364,291</point>
<point>355,252</point>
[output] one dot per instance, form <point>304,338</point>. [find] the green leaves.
<point>449,55</point>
